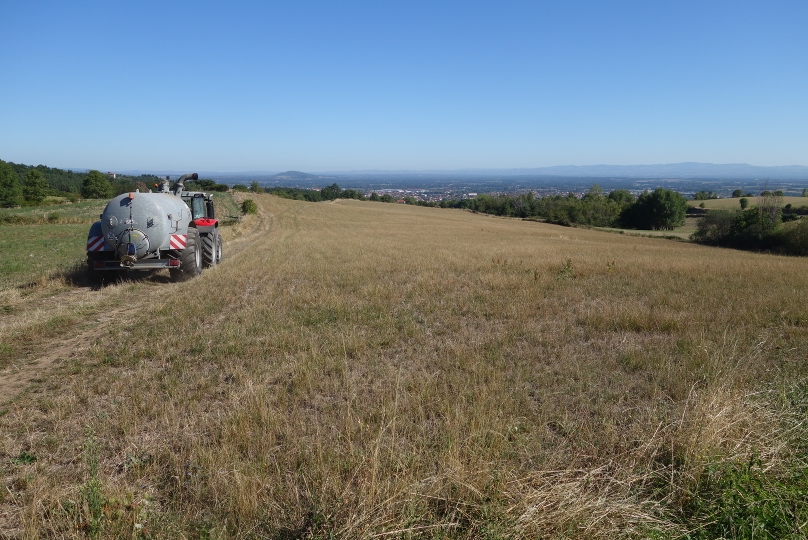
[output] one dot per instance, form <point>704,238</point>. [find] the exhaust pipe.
<point>180,183</point>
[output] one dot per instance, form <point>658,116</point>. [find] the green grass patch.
<point>32,251</point>
<point>80,212</point>
<point>743,500</point>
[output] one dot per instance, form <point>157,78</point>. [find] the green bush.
<point>795,238</point>
<point>249,207</point>
<point>715,227</point>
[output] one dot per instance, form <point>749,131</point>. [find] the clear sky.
<point>336,86</point>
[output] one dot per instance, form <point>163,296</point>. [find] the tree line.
<point>767,227</point>
<point>328,193</point>
<point>661,209</point>
<point>29,185</point>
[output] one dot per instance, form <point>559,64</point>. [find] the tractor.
<point>170,228</point>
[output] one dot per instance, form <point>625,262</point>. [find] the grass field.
<point>364,370</point>
<point>682,232</point>
<point>734,204</point>
<point>86,211</point>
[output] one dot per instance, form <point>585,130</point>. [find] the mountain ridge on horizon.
<point>683,170</point>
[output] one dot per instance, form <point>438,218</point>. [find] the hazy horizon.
<point>673,170</point>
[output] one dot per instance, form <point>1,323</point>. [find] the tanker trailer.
<point>150,231</point>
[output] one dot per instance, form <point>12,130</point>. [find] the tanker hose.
<point>180,183</point>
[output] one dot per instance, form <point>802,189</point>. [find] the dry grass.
<point>734,204</point>
<point>682,232</point>
<point>373,370</point>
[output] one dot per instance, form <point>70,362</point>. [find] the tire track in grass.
<point>30,367</point>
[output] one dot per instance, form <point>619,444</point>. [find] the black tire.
<point>100,277</point>
<point>218,248</point>
<point>211,249</point>
<point>190,258</point>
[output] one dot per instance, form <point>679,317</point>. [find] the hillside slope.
<point>368,369</point>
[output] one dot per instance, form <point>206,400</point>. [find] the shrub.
<point>715,227</point>
<point>249,207</point>
<point>795,238</point>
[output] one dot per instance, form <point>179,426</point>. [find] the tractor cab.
<point>201,204</point>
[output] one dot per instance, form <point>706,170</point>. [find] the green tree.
<point>595,192</point>
<point>805,192</point>
<point>331,192</point>
<point>661,209</point>
<point>704,195</point>
<point>737,193</point>
<point>35,187</point>
<point>255,188</point>
<point>622,196</point>
<point>10,190</point>
<point>770,211</point>
<point>744,203</point>
<point>96,186</point>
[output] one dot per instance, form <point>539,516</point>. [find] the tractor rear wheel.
<point>190,258</point>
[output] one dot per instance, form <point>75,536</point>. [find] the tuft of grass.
<point>92,496</point>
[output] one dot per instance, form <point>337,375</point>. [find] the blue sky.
<point>336,86</point>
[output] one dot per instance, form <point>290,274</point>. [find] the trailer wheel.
<point>211,249</point>
<point>190,258</point>
<point>99,277</point>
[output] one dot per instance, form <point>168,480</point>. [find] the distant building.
<point>112,175</point>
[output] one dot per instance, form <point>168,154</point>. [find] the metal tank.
<point>149,231</point>
<point>146,220</point>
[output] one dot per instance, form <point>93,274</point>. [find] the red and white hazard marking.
<point>95,243</point>
<point>177,241</point>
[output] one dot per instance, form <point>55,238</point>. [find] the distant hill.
<point>297,176</point>
<point>678,170</point>
<point>685,170</point>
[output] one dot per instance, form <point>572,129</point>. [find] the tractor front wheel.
<point>211,249</point>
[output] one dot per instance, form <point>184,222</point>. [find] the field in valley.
<point>734,204</point>
<point>366,370</point>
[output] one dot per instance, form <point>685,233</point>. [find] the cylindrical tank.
<point>145,219</point>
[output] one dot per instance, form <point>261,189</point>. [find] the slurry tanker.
<point>171,228</point>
